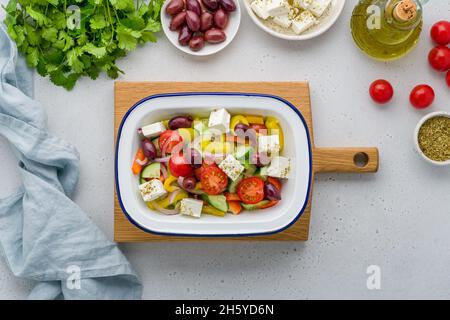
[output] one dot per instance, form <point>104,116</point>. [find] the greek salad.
<point>213,165</point>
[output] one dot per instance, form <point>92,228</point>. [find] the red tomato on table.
<point>214,180</point>
<point>381,91</point>
<point>422,96</point>
<point>439,58</point>
<point>251,190</point>
<point>440,32</point>
<point>179,166</point>
<point>168,140</point>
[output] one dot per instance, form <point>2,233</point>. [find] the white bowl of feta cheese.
<point>294,19</point>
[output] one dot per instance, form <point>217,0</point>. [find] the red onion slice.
<point>164,171</point>
<point>142,162</point>
<point>162,160</point>
<point>168,212</point>
<point>173,195</point>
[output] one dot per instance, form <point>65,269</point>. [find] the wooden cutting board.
<point>126,94</point>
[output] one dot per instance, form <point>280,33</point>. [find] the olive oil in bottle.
<point>387,29</point>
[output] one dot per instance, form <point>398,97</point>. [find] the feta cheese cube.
<point>318,7</point>
<point>269,144</point>
<point>232,167</point>
<point>219,121</point>
<point>152,190</point>
<point>304,4</point>
<point>153,130</point>
<point>259,8</point>
<point>191,207</point>
<point>280,167</point>
<point>277,7</point>
<point>303,22</point>
<point>283,21</point>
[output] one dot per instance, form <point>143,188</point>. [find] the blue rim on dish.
<point>181,94</point>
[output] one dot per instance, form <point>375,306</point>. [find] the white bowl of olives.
<point>200,27</point>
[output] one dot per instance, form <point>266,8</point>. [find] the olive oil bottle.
<point>387,29</point>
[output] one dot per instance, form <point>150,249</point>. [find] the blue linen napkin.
<point>44,236</point>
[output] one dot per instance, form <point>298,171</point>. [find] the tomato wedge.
<point>168,140</point>
<point>251,190</point>
<point>214,181</point>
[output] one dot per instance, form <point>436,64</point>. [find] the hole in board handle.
<point>361,159</point>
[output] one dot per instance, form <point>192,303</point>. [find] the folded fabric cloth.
<point>44,236</point>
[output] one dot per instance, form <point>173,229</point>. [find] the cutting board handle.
<point>345,160</point>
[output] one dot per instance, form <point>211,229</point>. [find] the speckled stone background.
<point>398,219</point>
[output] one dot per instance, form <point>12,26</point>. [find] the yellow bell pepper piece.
<point>219,147</point>
<point>180,196</point>
<point>255,119</point>
<point>163,203</point>
<point>273,127</point>
<point>198,185</point>
<point>237,119</point>
<point>150,205</point>
<point>213,211</point>
<point>168,184</point>
<point>166,123</point>
<point>187,134</point>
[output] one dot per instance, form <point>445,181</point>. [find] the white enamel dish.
<point>268,221</point>
<point>325,23</point>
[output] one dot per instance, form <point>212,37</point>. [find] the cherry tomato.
<point>168,140</point>
<point>439,58</point>
<point>440,32</point>
<point>448,78</point>
<point>422,96</point>
<point>199,171</point>
<point>381,91</point>
<point>258,127</point>
<point>251,190</point>
<point>214,181</point>
<point>179,166</point>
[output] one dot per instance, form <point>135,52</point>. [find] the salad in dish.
<point>290,16</point>
<point>213,165</point>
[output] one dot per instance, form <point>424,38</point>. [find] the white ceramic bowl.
<point>155,108</point>
<point>230,31</point>
<point>325,22</point>
<point>416,136</point>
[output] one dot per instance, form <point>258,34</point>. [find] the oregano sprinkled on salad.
<point>68,39</point>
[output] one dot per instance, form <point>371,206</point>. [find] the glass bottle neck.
<point>403,14</point>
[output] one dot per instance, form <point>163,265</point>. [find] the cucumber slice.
<point>255,206</point>
<point>250,170</point>
<point>233,185</point>
<point>242,153</point>
<point>219,202</point>
<point>152,171</point>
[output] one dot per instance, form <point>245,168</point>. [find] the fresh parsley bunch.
<point>67,39</point>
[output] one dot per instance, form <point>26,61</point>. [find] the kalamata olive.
<point>206,21</point>
<point>174,7</point>
<point>194,5</point>
<point>189,183</point>
<point>215,36</point>
<point>178,21</point>
<point>149,148</point>
<point>259,159</point>
<point>228,5</point>
<point>193,20</point>
<point>221,19</point>
<point>211,4</point>
<point>241,126</point>
<point>194,158</point>
<point>271,192</point>
<point>180,122</point>
<point>183,38</point>
<point>196,43</point>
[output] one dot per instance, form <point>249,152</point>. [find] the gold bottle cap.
<point>405,10</point>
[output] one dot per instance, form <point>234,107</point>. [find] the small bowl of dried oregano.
<point>432,138</point>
